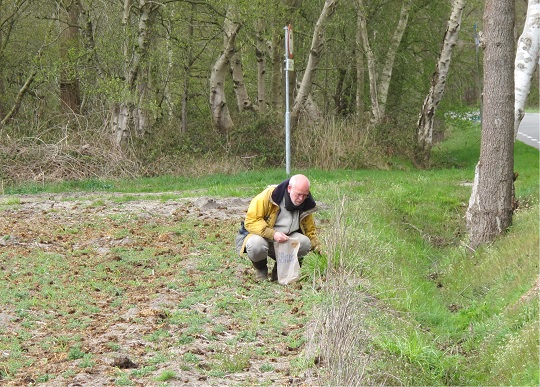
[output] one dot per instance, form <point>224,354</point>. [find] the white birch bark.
<point>127,114</point>
<point>218,104</point>
<point>438,81</point>
<point>527,55</point>
<point>125,26</point>
<point>386,73</point>
<point>242,97</point>
<point>379,83</point>
<point>371,64</point>
<point>317,44</point>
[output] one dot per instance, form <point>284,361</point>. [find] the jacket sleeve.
<point>309,230</point>
<point>258,215</point>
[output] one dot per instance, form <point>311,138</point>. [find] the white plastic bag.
<point>288,267</point>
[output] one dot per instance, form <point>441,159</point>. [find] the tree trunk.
<point>317,44</point>
<point>187,70</point>
<point>260,53</point>
<point>242,97</point>
<point>127,115</point>
<point>338,94</point>
<point>359,71</point>
<point>31,77</point>
<point>125,26</point>
<point>277,61</point>
<point>218,104</point>
<point>87,31</point>
<point>438,83</point>
<point>18,100</point>
<point>376,115</point>
<point>2,81</point>
<point>122,120</point>
<point>167,94</point>
<point>386,73</point>
<point>527,55</point>
<point>379,83</point>
<point>70,98</point>
<point>141,115</point>
<point>490,206</point>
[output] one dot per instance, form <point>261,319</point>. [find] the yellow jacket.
<point>263,212</point>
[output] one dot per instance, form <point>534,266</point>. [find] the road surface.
<point>529,130</point>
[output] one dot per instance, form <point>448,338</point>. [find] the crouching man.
<point>278,213</point>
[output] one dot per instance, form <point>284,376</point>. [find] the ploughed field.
<point>106,289</point>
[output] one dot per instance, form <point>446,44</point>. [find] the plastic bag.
<point>288,267</point>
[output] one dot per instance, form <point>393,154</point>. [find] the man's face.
<point>298,194</point>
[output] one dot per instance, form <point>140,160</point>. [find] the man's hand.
<point>319,250</point>
<point>280,237</point>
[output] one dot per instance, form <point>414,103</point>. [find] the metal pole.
<point>287,112</point>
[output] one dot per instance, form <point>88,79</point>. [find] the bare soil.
<point>63,255</point>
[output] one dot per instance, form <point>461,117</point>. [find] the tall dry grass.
<point>339,338</point>
<point>336,143</point>
<point>77,155</point>
<point>80,150</point>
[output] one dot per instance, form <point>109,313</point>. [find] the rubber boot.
<point>273,276</point>
<point>261,270</point>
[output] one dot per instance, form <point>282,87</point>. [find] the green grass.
<point>429,311</point>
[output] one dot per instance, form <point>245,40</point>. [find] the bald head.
<point>298,189</point>
<point>300,182</point>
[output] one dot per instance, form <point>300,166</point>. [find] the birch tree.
<point>242,98</point>
<point>490,206</point>
<point>379,82</point>
<point>218,103</point>
<point>276,86</point>
<point>129,114</point>
<point>527,55</point>
<point>283,15</point>
<point>260,53</point>
<point>371,62</point>
<point>317,44</point>
<point>18,100</point>
<point>438,82</point>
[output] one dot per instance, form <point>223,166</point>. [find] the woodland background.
<point>110,88</point>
